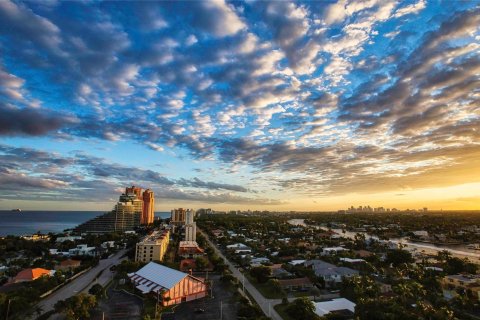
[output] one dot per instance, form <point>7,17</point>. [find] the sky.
<point>276,105</point>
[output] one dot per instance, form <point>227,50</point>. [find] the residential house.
<point>329,272</point>
<point>332,250</point>
<point>296,284</point>
<point>255,262</point>
<point>278,272</point>
<point>190,250</point>
<point>68,264</point>
<point>83,250</point>
<point>32,274</point>
<point>340,306</point>
<point>468,283</point>
<point>239,248</point>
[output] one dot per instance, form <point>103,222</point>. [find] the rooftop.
<point>158,274</point>
<point>31,274</point>
<point>325,307</point>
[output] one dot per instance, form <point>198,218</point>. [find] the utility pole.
<point>243,283</point>
<point>8,308</point>
<point>221,310</point>
<point>156,305</point>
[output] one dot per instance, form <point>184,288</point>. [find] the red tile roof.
<point>295,282</point>
<point>31,274</point>
<point>70,263</point>
<point>187,264</point>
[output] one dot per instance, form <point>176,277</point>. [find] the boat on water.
<point>17,210</point>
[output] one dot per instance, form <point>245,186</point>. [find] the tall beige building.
<point>148,212</point>
<point>133,209</point>
<point>178,216</point>
<point>153,247</point>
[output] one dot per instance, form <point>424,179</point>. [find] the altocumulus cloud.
<point>40,175</point>
<point>308,95</point>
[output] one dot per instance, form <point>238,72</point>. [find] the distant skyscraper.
<point>132,209</point>
<point>134,190</point>
<point>148,211</point>
<point>178,216</point>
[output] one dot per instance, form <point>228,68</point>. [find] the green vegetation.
<point>399,283</point>
<point>98,291</point>
<point>260,273</point>
<point>301,308</point>
<point>267,289</point>
<point>397,257</point>
<point>201,263</point>
<point>76,307</point>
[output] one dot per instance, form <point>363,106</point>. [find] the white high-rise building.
<point>191,232</point>
<point>189,216</point>
<point>190,226</point>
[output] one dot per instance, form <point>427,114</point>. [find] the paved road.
<point>265,304</point>
<point>83,282</point>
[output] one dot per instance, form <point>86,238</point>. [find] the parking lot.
<point>120,306</point>
<point>220,306</point>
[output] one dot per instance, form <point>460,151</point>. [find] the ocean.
<point>28,222</point>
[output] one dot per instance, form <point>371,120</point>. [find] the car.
<point>199,310</point>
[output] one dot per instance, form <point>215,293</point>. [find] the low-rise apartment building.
<point>153,247</point>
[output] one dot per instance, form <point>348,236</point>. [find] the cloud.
<point>11,85</point>
<point>197,183</point>
<point>414,8</point>
<point>216,198</point>
<point>216,17</point>
<point>31,174</point>
<point>338,12</point>
<point>11,181</point>
<point>30,122</point>
<point>290,25</point>
<point>150,16</point>
<point>328,97</point>
<point>20,21</point>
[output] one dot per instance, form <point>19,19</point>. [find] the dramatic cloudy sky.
<point>252,104</point>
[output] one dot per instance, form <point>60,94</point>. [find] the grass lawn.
<point>301,293</point>
<point>265,289</point>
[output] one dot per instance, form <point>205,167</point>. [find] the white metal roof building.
<point>174,286</point>
<point>325,307</point>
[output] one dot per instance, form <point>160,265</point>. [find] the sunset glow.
<point>241,105</point>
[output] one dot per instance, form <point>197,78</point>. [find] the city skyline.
<point>307,106</point>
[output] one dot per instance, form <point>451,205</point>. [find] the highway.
<point>83,283</point>
<point>265,304</point>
